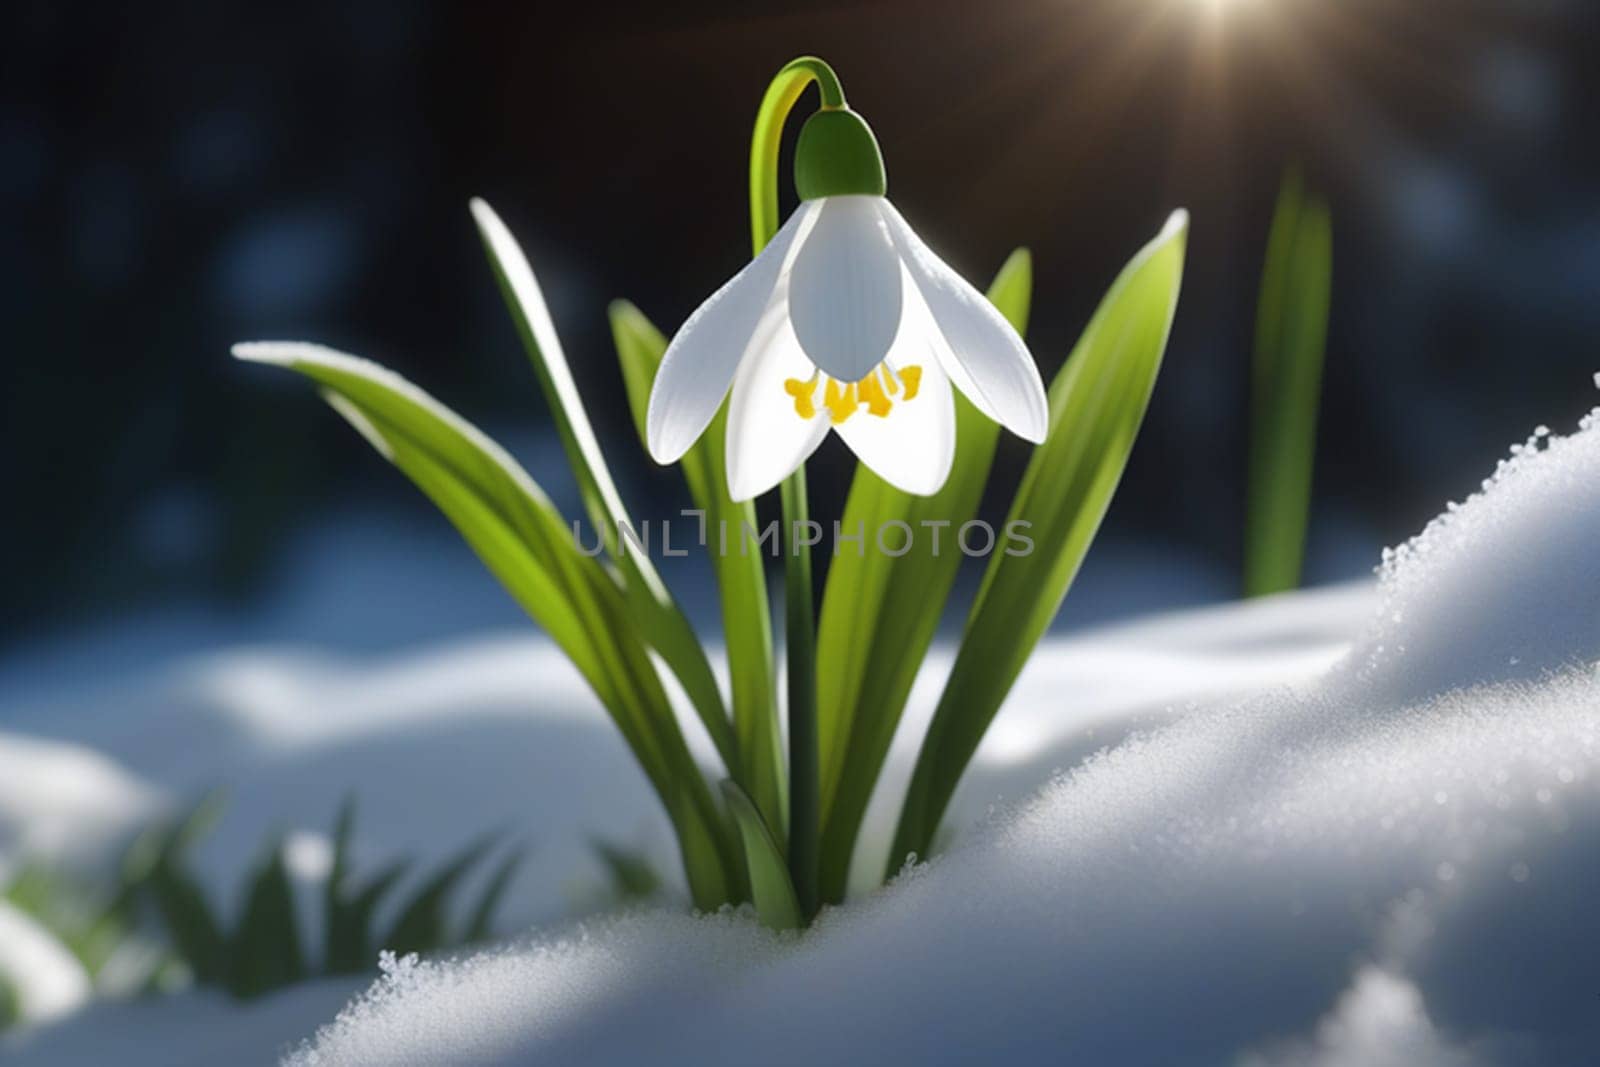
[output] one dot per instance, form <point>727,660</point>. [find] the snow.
<point>193,1029</point>
<point>1265,844</point>
<point>55,984</point>
<point>290,733</point>
<point>1450,620</point>
<point>1393,863</point>
<point>60,799</point>
<point>1183,897</point>
<point>1380,1022</point>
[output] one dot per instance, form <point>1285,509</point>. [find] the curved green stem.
<point>799,613</point>
<point>785,89</point>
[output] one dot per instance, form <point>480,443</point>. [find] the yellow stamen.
<point>802,392</point>
<point>872,395</point>
<point>840,400</point>
<point>843,398</point>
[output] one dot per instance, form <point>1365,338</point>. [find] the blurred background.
<point>174,178</point>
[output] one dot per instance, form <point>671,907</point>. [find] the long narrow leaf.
<point>741,578</point>
<point>264,953</point>
<point>421,926</point>
<point>770,886</point>
<point>664,623</point>
<point>347,915</point>
<point>158,865</point>
<point>186,915</point>
<point>335,916</point>
<point>480,927</point>
<point>519,535</point>
<point>1291,333</point>
<point>880,612</point>
<point>1097,403</point>
<point>352,949</point>
<point>632,876</point>
<point>641,708</point>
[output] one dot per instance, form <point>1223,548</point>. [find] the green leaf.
<point>421,926</point>
<point>741,577</point>
<point>774,894</point>
<point>880,612</point>
<point>187,917</point>
<point>348,916</point>
<point>158,865</point>
<point>1291,333</point>
<point>336,934</point>
<point>521,538</point>
<point>1097,403</point>
<point>665,626</point>
<point>10,1004</point>
<point>71,912</point>
<point>171,842</point>
<point>264,953</point>
<point>632,876</point>
<point>350,948</point>
<point>480,927</point>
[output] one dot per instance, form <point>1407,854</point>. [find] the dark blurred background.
<point>176,177</point>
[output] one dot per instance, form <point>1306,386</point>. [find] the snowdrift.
<point>1393,864</point>
<point>1354,826</point>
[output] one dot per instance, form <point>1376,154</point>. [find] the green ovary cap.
<point>837,156</point>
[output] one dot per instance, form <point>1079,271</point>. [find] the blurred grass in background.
<point>1286,387</point>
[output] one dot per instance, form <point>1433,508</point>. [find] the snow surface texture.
<point>292,733</point>
<point>1380,868</point>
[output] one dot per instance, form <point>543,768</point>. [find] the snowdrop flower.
<point>845,321</point>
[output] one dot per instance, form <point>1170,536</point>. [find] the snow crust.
<point>1394,863</point>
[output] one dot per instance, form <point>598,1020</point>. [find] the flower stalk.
<point>800,625</point>
<point>844,323</point>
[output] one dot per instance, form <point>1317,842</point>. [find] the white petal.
<point>700,361</point>
<point>767,439</point>
<point>845,289</point>
<point>914,445</point>
<point>989,362</point>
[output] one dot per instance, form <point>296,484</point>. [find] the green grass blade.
<point>335,917</point>
<point>741,578</point>
<point>347,916</point>
<point>10,1004</point>
<point>191,925</point>
<point>157,864</point>
<point>264,953</point>
<point>1097,403</point>
<point>480,927</point>
<point>31,889</point>
<point>664,624</point>
<point>350,948</point>
<point>880,613</point>
<point>1291,334</point>
<point>422,925</point>
<point>521,538</point>
<point>70,911</point>
<point>632,876</point>
<point>770,886</point>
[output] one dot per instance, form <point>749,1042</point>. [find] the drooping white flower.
<point>845,321</point>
